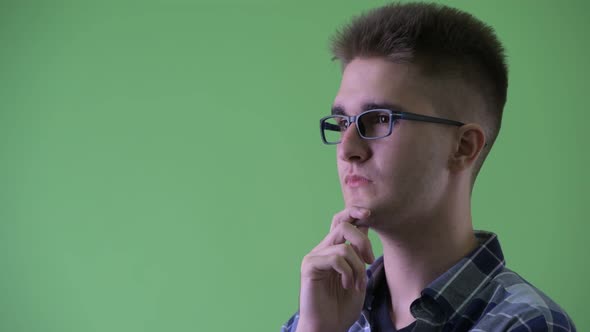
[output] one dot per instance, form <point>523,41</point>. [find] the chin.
<point>377,207</point>
<point>363,202</point>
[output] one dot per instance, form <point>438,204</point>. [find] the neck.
<point>417,251</point>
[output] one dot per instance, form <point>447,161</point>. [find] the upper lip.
<point>355,177</point>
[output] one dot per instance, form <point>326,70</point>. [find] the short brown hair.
<point>441,41</point>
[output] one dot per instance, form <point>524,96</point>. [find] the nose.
<point>353,147</point>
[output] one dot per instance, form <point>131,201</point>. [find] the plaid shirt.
<point>477,294</point>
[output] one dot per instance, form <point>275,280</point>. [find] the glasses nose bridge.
<point>352,119</point>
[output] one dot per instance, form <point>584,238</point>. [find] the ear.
<point>468,147</point>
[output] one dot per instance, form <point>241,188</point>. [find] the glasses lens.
<point>333,127</point>
<point>375,124</point>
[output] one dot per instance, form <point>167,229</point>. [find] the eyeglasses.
<point>371,124</point>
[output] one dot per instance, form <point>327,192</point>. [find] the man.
<point>418,110</point>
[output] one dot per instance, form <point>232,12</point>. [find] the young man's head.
<point>430,60</point>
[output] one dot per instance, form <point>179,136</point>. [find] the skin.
<point>417,199</point>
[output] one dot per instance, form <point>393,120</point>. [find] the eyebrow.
<point>339,109</point>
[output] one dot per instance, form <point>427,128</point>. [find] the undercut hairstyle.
<point>442,42</point>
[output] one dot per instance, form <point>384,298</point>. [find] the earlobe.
<point>470,143</point>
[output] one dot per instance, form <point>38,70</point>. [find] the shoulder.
<point>516,305</point>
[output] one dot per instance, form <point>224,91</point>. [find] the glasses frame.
<point>393,116</point>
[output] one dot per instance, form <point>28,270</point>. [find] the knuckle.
<point>343,249</point>
<point>335,222</point>
<point>306,261</point>
<point>335,259</point>
<point>307,264</point>
<point>341,227</point>
<point>350,252</point>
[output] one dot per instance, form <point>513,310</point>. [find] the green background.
<point>161,167</point>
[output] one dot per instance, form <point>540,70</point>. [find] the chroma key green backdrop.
<point>161,167</point>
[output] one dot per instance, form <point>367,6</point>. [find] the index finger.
<point>349,214</point>
<point>357,238</point>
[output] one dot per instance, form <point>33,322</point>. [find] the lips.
<point>354,180</point>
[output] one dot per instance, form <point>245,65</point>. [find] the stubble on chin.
<point>358,199</point>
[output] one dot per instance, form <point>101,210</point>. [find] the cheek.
<point>406,166</point>
<point>392,158</point>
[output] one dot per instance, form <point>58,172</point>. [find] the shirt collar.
<point>448,294</point>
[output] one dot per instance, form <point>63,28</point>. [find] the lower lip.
<point>357,183</point>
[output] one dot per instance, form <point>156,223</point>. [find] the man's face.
<point>407,171</point>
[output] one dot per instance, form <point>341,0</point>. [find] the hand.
<point>333,277</point>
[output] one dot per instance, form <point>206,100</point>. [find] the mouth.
<point>355,181</point>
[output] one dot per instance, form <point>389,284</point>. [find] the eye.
<point>382,118</point>
<point>342,123</point>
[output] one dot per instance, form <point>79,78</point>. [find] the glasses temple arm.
<point>330,126</point>
<point>426,118</point>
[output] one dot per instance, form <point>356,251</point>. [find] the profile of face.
<point>404,175</point>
